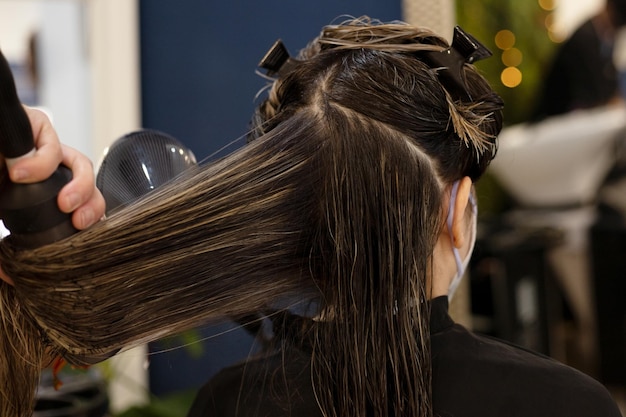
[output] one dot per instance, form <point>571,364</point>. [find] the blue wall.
<point>199,58</point>
<point>198,61</point>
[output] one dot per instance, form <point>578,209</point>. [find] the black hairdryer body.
<point>29,211</point>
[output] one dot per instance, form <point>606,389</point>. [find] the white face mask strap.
<point>460,264</point>
<point>457,255</point>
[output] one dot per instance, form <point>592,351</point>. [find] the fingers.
<point>40,164</point>
<point>80,195</point>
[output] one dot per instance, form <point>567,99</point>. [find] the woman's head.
<point>387,110</point>
<point>386,73</point>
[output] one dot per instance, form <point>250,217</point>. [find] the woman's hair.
<point>338,199</point>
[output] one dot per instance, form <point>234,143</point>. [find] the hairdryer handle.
<point>29,211</point>
<point>16,137</point>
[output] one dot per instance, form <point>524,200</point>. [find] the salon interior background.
<point>106,67</point>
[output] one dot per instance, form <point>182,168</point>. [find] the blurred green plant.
<point>189,340</point>
<point>173,405</point>
<point>529,23</point>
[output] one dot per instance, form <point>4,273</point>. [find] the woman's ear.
<point>459,220</point>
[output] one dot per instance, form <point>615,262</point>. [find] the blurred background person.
<point>582,73</point>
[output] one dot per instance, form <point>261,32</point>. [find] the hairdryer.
<point>138,163</point>
<point>29,211</point>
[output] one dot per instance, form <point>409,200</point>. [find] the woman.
<point>402,141</point>
<point>355,198</point>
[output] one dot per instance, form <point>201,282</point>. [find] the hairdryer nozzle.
<point>138,163</point>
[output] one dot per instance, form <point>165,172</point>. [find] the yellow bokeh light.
<point>556,37</point>
<point>512,57</point>
<point>547,4</point>
<point>505,39</point>
<point>549,22</point>
<point>511,77</point>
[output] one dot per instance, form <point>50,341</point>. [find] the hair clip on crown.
<point>449,62</point>
<point>277,60</point>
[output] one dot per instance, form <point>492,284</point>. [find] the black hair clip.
<point>277,60</point>
<point>449,62</point>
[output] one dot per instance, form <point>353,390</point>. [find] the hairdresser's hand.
<point>80,195</point>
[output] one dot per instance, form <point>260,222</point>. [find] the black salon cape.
<point>473,376</point>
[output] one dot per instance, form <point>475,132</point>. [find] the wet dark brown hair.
<point>339,198</point>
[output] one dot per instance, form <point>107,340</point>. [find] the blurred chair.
<point>554,170</point>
